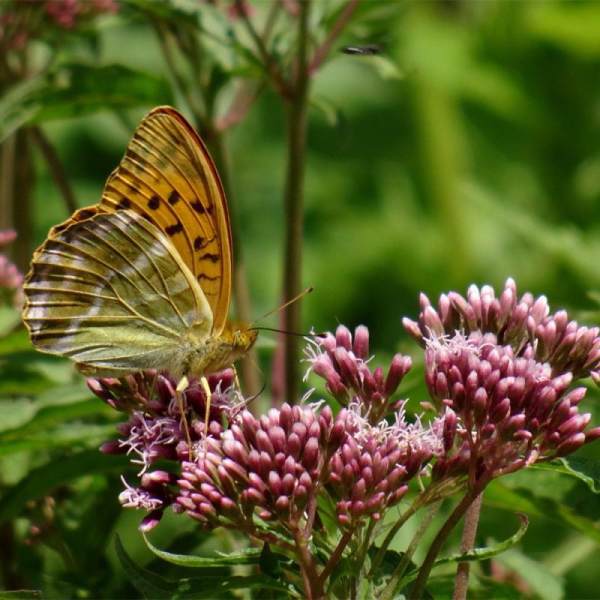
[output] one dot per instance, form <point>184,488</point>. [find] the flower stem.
<point>440,539</point>
<point>312,582</point>
<point>335,557</point>
<point>390,588</point>
<point>294,205</point>
<point>461,582</point>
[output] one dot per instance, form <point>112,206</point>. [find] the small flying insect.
<point>366,50</point>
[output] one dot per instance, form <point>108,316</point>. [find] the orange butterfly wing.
<point>168,176</point>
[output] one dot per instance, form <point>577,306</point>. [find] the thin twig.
<point>56,168</point>
<point>246,94</point>
<point>269,63</point>
<point>461,581</point>
<point>323,50</point>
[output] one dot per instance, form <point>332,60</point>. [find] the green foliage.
<point>466,152</point>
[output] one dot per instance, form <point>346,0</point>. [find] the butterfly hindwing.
<point>111,292</point>
<point>168,177</point>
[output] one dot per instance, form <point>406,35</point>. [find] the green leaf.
<point>250,556</point>
<point>584,469</point>
<point>44,479</point>
<point>21,595</point>
<point>10,317</point>
<point>501,496</point>
<point>478,554</point>
<point>76,89</point>
<point>146,582</point>
<point>544,583</point>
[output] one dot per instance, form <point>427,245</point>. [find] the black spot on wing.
<point>124,203</point>
<point>154,202</point>
<point>202,276</point>
<point>175,228</point>
<point>85,214</point>
<point>174,198</point>
<point>198,243</point>
<point>198,206</point>
<point>209,256</point>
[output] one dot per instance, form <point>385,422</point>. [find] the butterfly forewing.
<point>111,292</point>
<point>168,177</point>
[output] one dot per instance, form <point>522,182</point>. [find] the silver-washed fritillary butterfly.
<point>142,280</point>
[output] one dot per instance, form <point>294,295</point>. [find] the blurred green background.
<point>466,152</point>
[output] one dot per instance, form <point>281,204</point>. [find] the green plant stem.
<point>56,168</point>
<point>335,557</point>
<point>390,589</point>
<point>294,207</point>
<point>440,539</point>
<point>433,493</point>
<point>461,581</point>
<point>407,514</point>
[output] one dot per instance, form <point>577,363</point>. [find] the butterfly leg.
<point>208,394</point>
<point>179,392</point>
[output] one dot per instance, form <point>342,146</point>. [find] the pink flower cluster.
<point>342,361</point>
<point>273,465</point>
<point>157,430</point>
<point>563,344</point>
<point>500,374</point>
<point>11,279</point>
<point>66,12</point>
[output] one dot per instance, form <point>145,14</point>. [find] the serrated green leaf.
<point>584,469</point>
<point>61,470</point>
<point>250,556</point>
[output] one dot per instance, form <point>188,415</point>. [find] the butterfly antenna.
<point>307,334</point>
<point>303,293</point>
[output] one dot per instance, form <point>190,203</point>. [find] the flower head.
<point>158,430</point>
<point>519,322</point>
<point>370,471</point>
<point>504,410</point>
<point>270,466</point>
<point>342,361</point>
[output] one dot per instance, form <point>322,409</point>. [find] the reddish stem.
<point>461,582</point>
<point>323,50</point>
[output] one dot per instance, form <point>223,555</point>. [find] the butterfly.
<point>142,280</point>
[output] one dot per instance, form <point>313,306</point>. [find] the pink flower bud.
<point>343,338</point>
<point>361,342</point>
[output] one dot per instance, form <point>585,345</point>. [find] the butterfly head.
<point>239,338</point>
<point>223,350</point>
